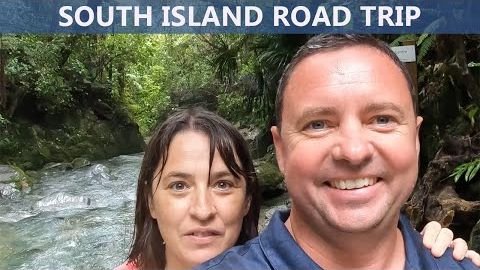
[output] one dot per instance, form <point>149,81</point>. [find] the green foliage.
<point>402,38</point>
<point>473,65</point>
<point>472,112</point>
<point>34,66</point>
<point>228,54</point>
<point>252,64</point>
<point>468,170</point>
<point>3,121</point>
<point>424,43</point>
<point>158,67</point>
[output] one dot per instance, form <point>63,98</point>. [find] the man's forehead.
<point>351,65</point>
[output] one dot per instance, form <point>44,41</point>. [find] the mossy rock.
<point>80,133</point>
<point>62,166</point>
<point>269,176</point>
<point>80,163</point>
<point>22,180</point>
<point>7,174</point>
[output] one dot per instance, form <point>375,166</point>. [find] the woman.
<point>197,195</point>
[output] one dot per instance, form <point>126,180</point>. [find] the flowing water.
<point>74,219</point>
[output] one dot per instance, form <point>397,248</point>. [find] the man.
<point>347,142</point>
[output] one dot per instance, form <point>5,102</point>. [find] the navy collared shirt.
<point>276,249</point>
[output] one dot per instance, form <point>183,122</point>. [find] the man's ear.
<point>278,143</point>
<point>419,123</point>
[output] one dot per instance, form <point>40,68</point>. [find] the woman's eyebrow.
<point>177,174</point>
<point>223,173</point>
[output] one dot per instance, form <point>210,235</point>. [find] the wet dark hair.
<point>147,250</point>
<point>335,42</point>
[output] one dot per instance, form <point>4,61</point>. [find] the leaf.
<point>470,169</point>
<point>402,38</point>
<point>475,170</point>
<point>468,174</point>
<point>473,64</point>
<point>457,173</point>
<point>422,38</point>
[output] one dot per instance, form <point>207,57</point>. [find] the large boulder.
<point>269,176</point>
<point>88,133</point>
<point>8,191</point>
<point>7,174</point>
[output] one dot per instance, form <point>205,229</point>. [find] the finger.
<point>460,248</point>
<point>443,241</point>
<point>430,233</point>
<point>474,256</point>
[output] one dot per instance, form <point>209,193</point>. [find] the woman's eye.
<point>223,185</point>
<point>317,125</point>
<point>178,186</point>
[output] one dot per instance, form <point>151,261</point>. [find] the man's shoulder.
<point>273,248</point>
<point>446,261</point>
<point>419,257</point>
<point>247,256</point>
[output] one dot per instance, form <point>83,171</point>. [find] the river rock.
<point>8,191</point>
<point>281,203</point>
<point>7,174</point>
<point>57,166</point>
<point>100,173</point>
<point>80,163</point>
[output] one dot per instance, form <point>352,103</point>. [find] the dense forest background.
<point>73,98</point>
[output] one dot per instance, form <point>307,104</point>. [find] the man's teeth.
<point>352,184</point>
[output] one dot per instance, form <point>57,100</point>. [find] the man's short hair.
<point>335,42</point>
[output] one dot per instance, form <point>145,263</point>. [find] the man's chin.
<point>353,224</point>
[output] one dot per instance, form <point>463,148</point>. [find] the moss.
<point>269,176</point>
<point>81,135</point>
<point>80,163</point>
<point>22,180</point>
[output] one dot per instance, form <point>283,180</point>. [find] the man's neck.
<point>381,248</point>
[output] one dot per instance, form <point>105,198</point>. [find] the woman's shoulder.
<point>126,266</point>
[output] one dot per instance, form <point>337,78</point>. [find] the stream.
<point>72,219</point>
<point>76,219</point>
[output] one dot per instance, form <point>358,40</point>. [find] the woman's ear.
<point>247,205</point>
<point>151,207</point>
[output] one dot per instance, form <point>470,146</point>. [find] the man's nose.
<point>203,207</point>
<point>353,146</point>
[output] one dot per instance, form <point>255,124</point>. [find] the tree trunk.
<point>433,197</point>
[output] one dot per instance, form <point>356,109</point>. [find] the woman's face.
<point>199,213</point>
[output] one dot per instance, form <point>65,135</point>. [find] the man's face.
<point>348,143</point>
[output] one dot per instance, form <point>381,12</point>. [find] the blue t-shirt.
<point>275,249</point>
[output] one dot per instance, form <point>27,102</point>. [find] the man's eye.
<point>223,185</point>
<point>178,186</point>
<point>317,125</point>
<point>383,120</point>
